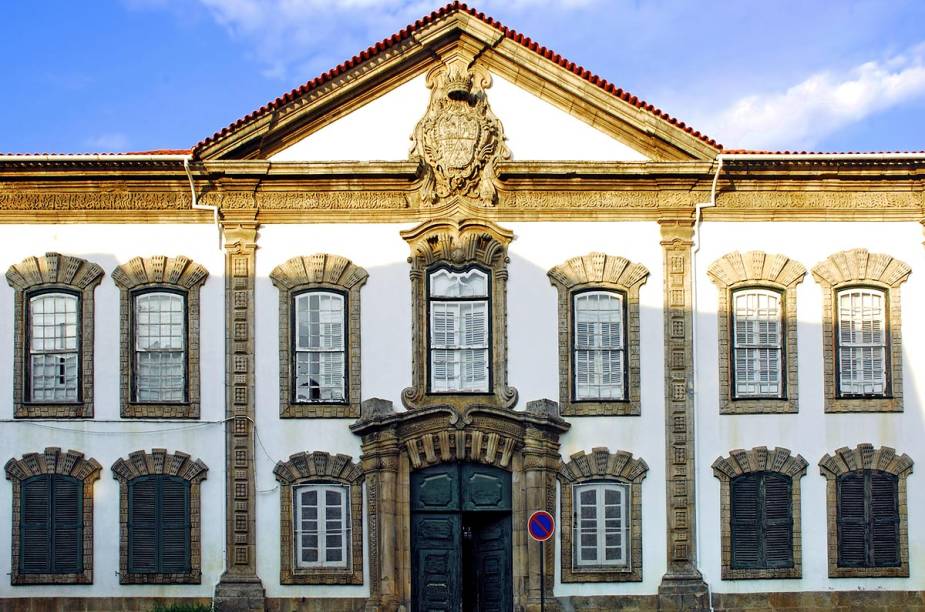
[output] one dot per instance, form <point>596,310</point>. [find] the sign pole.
<point>542,577</point>
<point>541,525</point>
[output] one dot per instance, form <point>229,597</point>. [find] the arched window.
<point>54,348</point>
<point>862,342</point>
<point>159,525</point>
<point>868,519</point>
<point>757,343</point>
<point>160,347</point>
<point>601,524</point>
<point>318,341</point>
<point>599,346</point>
<point>458,316</point>
<point>761,521</point>
<point>322,525</point>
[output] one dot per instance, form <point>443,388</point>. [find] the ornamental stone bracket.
<point>397,443</point>
<point>459,141</point>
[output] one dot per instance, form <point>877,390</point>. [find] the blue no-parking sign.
<point>541,525</point>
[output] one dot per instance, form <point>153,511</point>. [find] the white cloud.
<point>109,141</point>
<point>804,114</point>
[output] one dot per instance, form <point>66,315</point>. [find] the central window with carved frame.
<point>318,339</point>
<point>322,525</point>
<point>458,309</point>
<point>599,346</point>
<point>159,344</point>
<point>757,344</point>
<point>862,341</point>
<point>601,524</point>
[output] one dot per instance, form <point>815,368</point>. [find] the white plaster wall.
<point>110,246</point>
<point>382,129</point>
<point>811,432</point>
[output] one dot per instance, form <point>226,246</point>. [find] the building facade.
<point>299,367</point>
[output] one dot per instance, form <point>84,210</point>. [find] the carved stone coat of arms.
<point>459,140</point>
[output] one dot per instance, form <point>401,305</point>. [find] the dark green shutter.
<point>159,525</point>
<point>778,521</point>
<point>884,519</point>
<point>852,520</point>
<point>35,526</point>
<point>67,525</point>
<point>746,517</point>
<point>174,525</point>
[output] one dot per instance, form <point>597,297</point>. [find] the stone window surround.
<point>859,268</point>
<point>53,271</point>
<point>601,466</point>
<point>759,459</point>
<point>321,271</point>
<point>319,468</point>
<point>598,271</point>
<point>53,461</point>
<point>865,457</point>
<point>458,243</point>
<point>757,270</point>
<point>173,274</point>
<point>160,462</point>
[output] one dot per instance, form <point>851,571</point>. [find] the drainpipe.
<point>197,205</point>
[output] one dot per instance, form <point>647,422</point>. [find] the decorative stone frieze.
<point>525,443</point>
<point>459,141</point>
<point>600,465</point>
<point>759,459</point>
<point>53,461</point>
<point>327,272</point>
<point>458,241</point>
<point>319,467</point>
<point>757,270</point>
<point>865,457</point>
<point>880,271</point>
<point>53,272</point>
<point>608,273</point>
<point>152,273</point>
<point>161,463</point>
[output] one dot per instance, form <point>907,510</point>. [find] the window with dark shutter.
<point>159,525</point>
<point>868,519</point>
<point>761,521</point>
<point>51,525</point>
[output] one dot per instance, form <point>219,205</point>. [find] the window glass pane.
<point>53,347</point>
<point>862,342</point>
<point>322,525</point>
<point>54,377</point>
<point>601,528</point>
<point>160,345</point>
<point>470,283</point>
<point>598,355</point>
<point>319,347</point>
<point>757,337</point>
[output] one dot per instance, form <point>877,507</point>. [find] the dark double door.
<point>461,539</point>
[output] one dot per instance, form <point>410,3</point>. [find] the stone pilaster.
<point>682,586</point>
<point>240,588</point>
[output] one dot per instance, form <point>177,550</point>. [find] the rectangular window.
<point>601,525</point>
<point>51,525</point>
<point>160,347</point>
<point>599,351</point>
<point>459,330</point>
<point>862,343</point>
<point>54,345</point>
<point>159,525</point>
<point>868,519</point>
<point>762,521</point>
<point>757,344</point>
<point>322,525</point>
<point>319,347</point>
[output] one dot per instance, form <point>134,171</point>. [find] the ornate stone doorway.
<point>398,446</point>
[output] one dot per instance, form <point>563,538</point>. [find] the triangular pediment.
<point>367,108</point>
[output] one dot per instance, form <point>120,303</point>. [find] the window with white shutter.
<point>862,342</point>
<point>318,347</point>
<point>459,330</point>
<point>322,525</point>
<point>601,524</point>
<point>54,346</point>
<point>757,344</point>
<point>160,347</point>
<point>599,346</point>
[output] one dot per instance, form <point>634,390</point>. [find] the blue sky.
<point>119,75</point>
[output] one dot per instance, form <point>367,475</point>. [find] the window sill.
<point>37,410</point>
<point>601,408</point>
<point>602,574</point>
<point>762,573</point>
<point>192,577</point>
<point>901,571</point>
<point>768,405</point>
<point>319,410</point>
<point>322,575</point>
<point>864,404</point>
<point>142,410</point>
<point>20,579</point>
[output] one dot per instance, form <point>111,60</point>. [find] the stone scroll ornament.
<point>459,140</point>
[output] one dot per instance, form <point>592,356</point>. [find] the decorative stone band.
<point>605,272</point>
<point>319,467</point>
<point>53,461</point>
<point>458,240</point>
<point>159,271</point>
<point>601,464</point>
<point>865,457</point>
<point>319,271</point>
<point>160,462</point>
<point>858,267</point>
<point>758,270</point>
<point>759,459</point>
<point>53,271</point>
